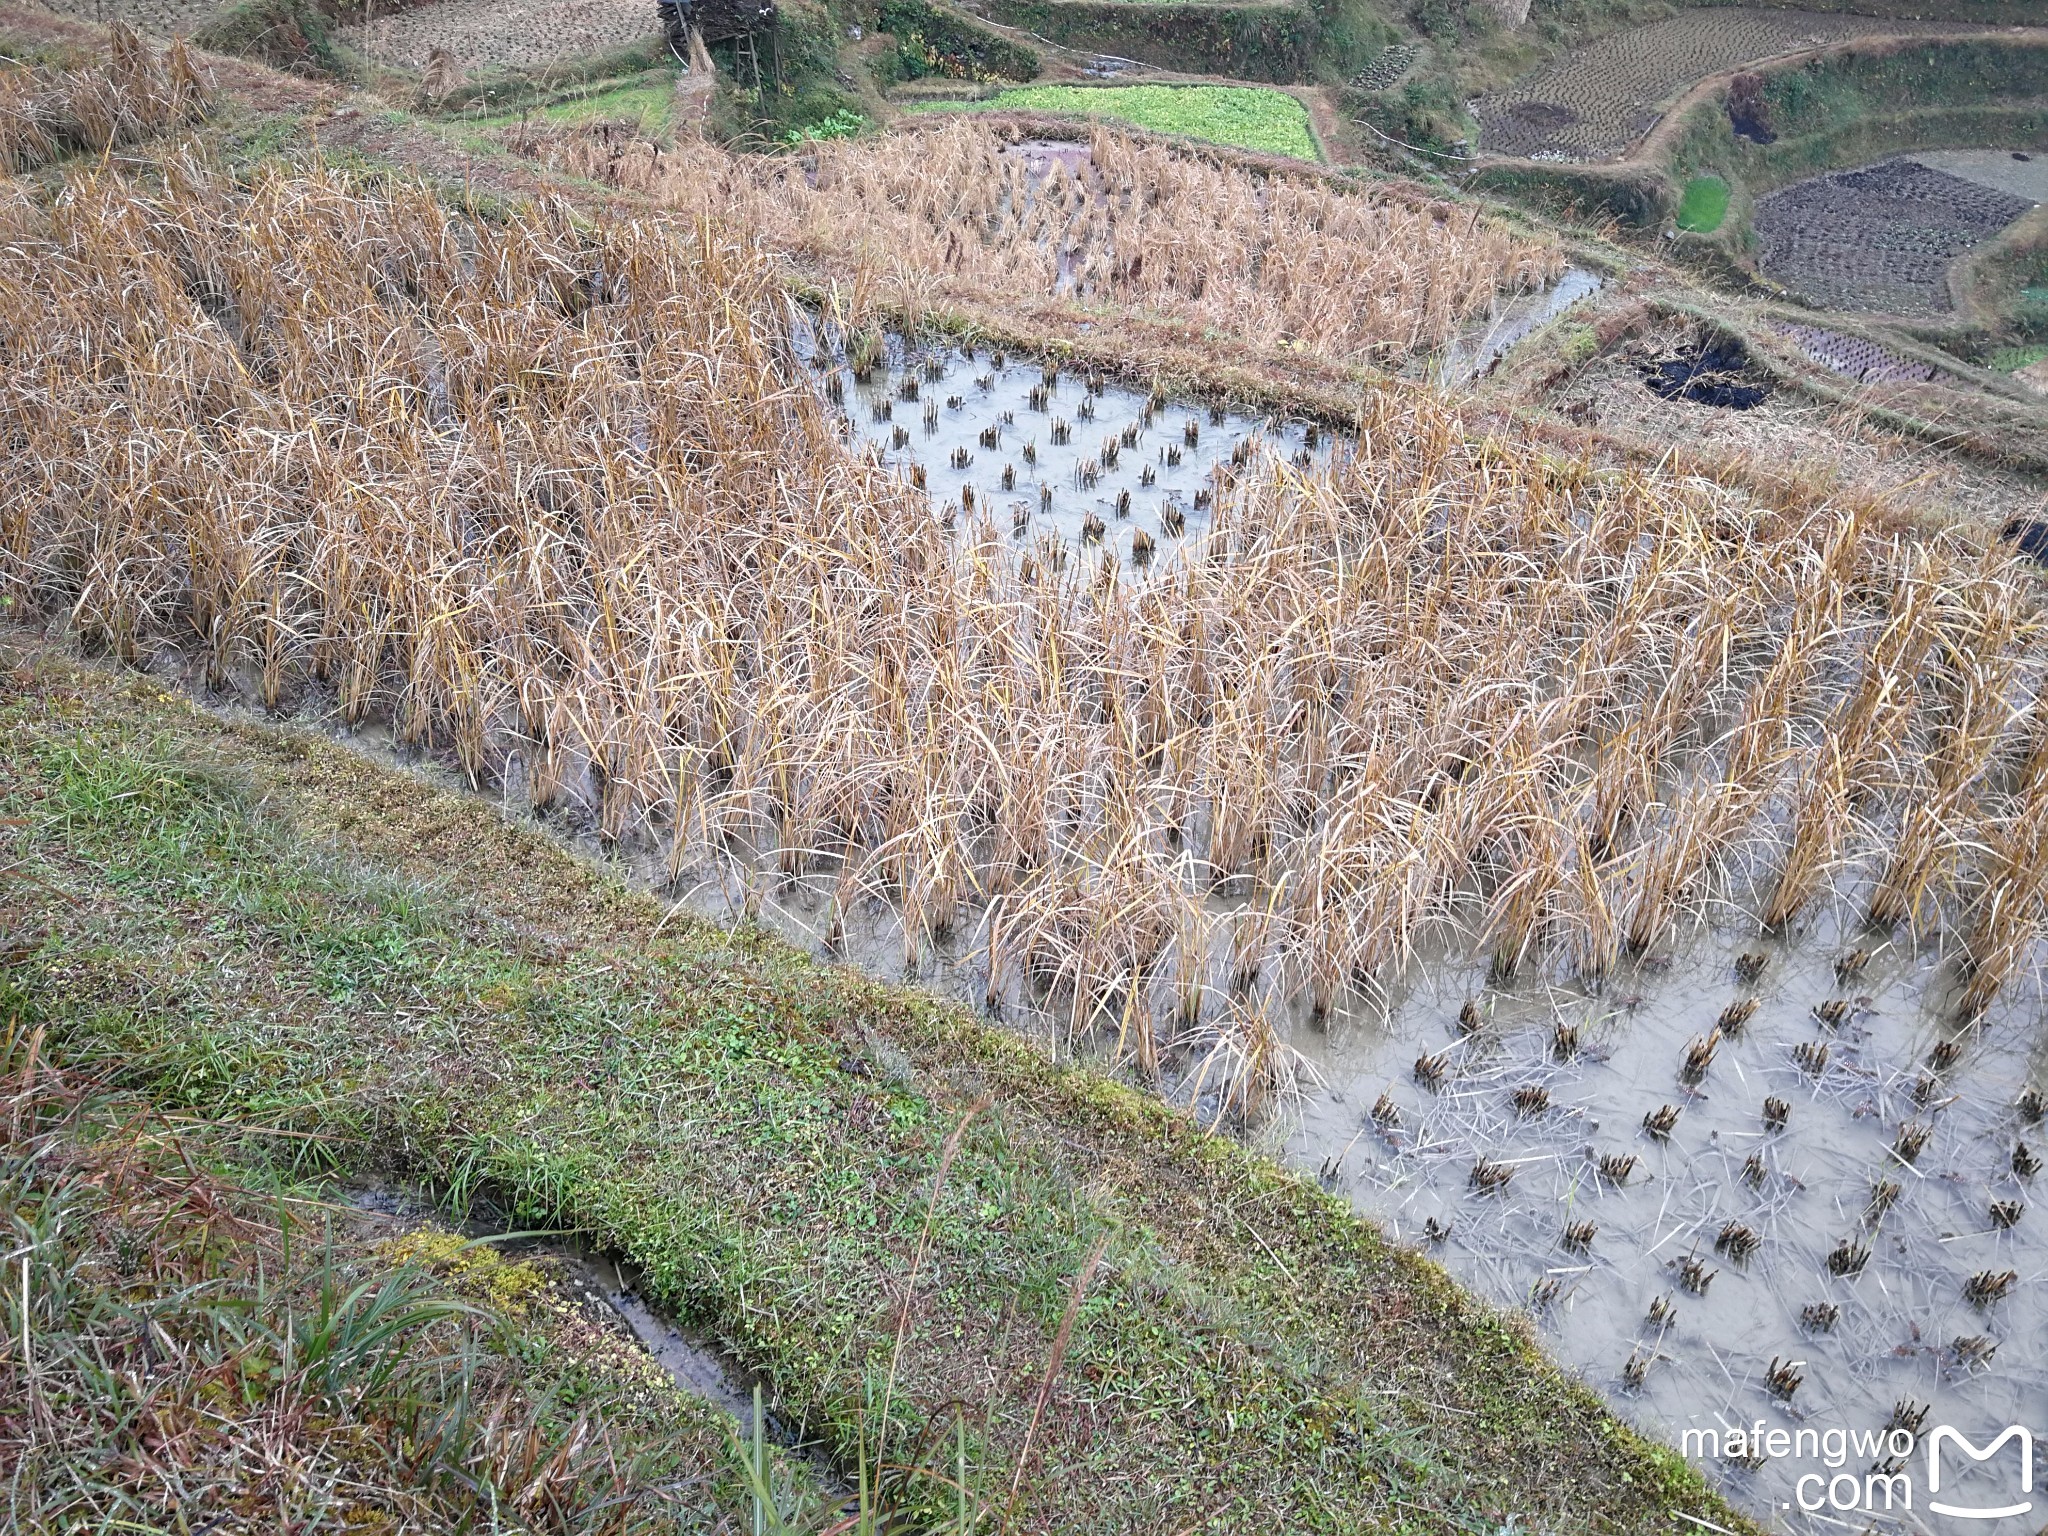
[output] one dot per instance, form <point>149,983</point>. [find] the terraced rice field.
<point>1643,883</point>
<point>507,34</point>
<point>1064,463</point>
<point>1864,361</point>
<point>167,18</point>
<point>1841,1161</point>
<point>983,216</point>
<point>1879,238</point>
<point>1594,102</point>
<point>1389,68</point>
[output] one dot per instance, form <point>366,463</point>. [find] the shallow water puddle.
<point>1041,450</point>
<point>1662,1306</point>
<point>1512,322</point>
<point>690,1361</point>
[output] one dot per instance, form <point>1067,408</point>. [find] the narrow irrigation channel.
<point>605,1286</point>
<point>1485,344</point>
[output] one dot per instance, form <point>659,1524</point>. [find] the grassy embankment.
<point>193,1339</point>
<point>261,923</point>
<point>1241,117</point>
<point>647,102</point>
<point>2002,292</point>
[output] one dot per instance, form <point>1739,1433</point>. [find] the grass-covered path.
<point>258,922</point>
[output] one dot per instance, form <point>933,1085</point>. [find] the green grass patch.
<point>1704,205</point>
<point>648,102</point>
<point>843,124</point>
<point>1241,116</point>
<point>2013,359</point>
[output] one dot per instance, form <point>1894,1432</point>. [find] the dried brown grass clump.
<point>562,503</point>
<point>136,94</point>
<point>959,210</point>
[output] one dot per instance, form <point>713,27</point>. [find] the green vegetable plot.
<point>1245,117</point>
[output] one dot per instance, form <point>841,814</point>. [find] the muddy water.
<point>1131,461</point>
<point>692,1362</point>
<point>1705,1365</point>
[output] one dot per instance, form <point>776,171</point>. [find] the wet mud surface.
<point>1728,1246</point>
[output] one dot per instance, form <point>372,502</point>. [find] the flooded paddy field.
<point>1731,1177</point>
<point>1748,1181</point>
<point>1746,1176</point>
<point>2019,172</point>
<point>1750,1176</point>
<point>1041,451</point>
<point>1840,1204</point>
<point>1398,699</point>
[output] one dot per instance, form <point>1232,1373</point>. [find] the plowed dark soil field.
<point>1879,238</point>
